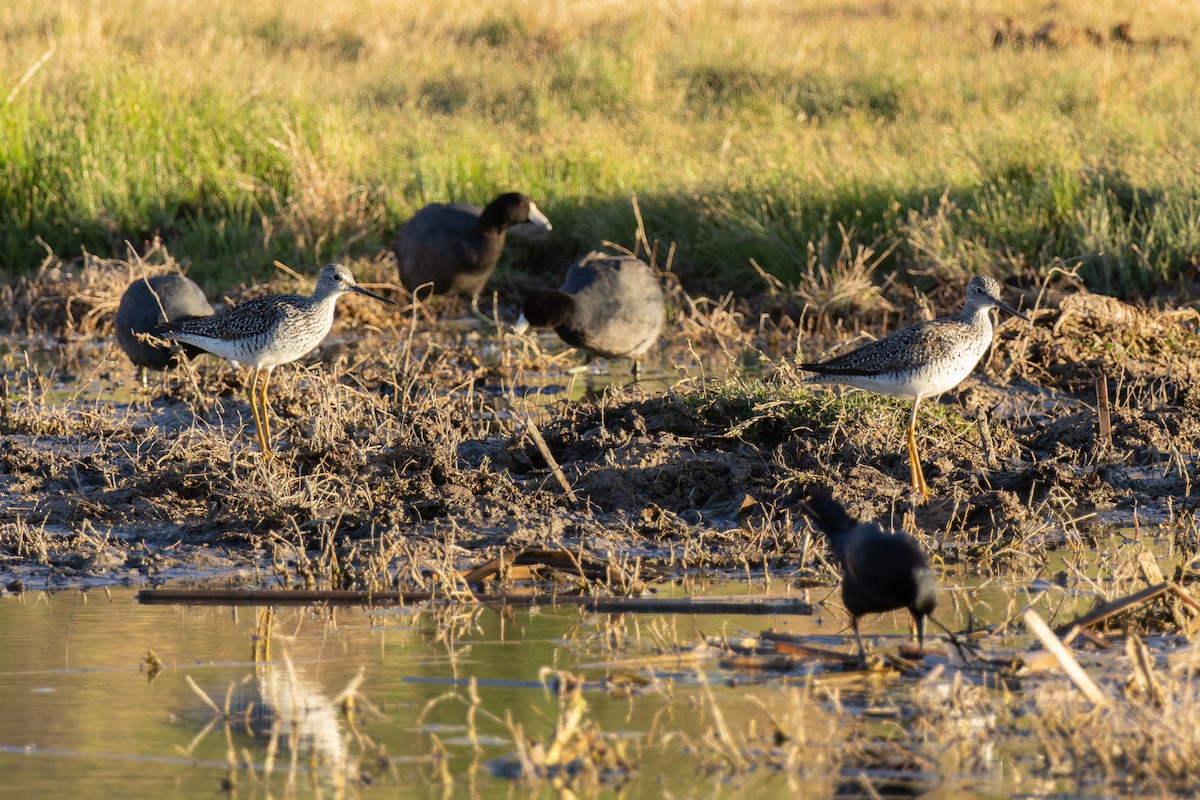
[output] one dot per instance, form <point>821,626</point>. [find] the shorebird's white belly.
<point>294,336</point>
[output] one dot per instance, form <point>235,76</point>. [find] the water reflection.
<point>411,702</point>
<point>285,707</point>
<point>83,719</point>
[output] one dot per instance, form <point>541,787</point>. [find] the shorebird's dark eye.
<point>337,277</point>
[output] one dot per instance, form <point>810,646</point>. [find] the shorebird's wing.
<point>896,353</point>
<point>254,317</point>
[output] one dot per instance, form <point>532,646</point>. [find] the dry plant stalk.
<point>1102,411</point>
<point>1065,658</point>
<point>544,449</point>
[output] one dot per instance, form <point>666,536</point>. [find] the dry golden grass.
<point>247,133</point>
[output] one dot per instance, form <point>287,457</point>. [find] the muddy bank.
<point>405,444</point>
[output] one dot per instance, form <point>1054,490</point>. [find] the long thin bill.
<point>369,293</point>
<point>1006,307</point>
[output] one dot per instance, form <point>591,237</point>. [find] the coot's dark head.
<point>547,308</point>
<point>514,208</point>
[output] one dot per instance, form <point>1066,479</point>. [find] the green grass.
<point>765,411</point>
<point>303,131</point>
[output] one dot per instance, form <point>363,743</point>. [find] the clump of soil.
<point>1090,336</point>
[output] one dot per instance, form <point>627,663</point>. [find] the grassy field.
<point>306,131</point>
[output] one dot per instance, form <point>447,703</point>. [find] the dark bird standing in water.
<point>610,305</point>
<point>880,571</point>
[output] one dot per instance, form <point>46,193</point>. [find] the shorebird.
<point>149,301</point>
<point>452,248</point>
<point>264,332</point>
<point>610,305</point>
<point>922,360</point>
<point>880,571</point>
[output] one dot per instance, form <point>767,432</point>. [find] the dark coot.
<point>452,248</point>
<point>610,305</point>
<point>146,303</point>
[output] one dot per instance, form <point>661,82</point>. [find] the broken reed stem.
<point>1143,670</point>
<point>1066,659</point>
<point>1103,414</point>
<point>985,436</point>
<point>544,449</point>
<point>1114,607</point>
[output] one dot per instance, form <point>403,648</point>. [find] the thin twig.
<point>544,449</point>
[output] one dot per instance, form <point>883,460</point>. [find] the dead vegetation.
<point>405,444</point>
<point>1102,711</point>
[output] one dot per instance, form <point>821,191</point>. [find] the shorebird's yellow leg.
<point>254,407</point>
<point>266,417</point>
<point>259,429</point>
<point>914,458</point>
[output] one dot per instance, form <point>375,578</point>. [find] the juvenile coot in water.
<point>610,305</point>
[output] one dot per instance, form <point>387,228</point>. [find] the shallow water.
<point>83,719</point>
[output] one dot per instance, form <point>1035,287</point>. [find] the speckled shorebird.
<point>922,360</point>
<point>264,332</point>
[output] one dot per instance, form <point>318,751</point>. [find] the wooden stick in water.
<point>604,605</point>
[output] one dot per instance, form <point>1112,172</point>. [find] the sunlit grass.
<point>305,131</point>
<point>758,410</point>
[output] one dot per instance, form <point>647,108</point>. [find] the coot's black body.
<point>453,248</point>
<point>146,303</point>
<point>880,571</point>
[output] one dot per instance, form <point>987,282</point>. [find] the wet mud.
<point>405,444</point>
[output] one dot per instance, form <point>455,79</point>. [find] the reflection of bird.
<point>302,717</point>
<point>880,571</point>
<point>146,303</point>
<point>454,247</point>
<point>608,304</point>
<point>265,332</point>
<point>922,360</point>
